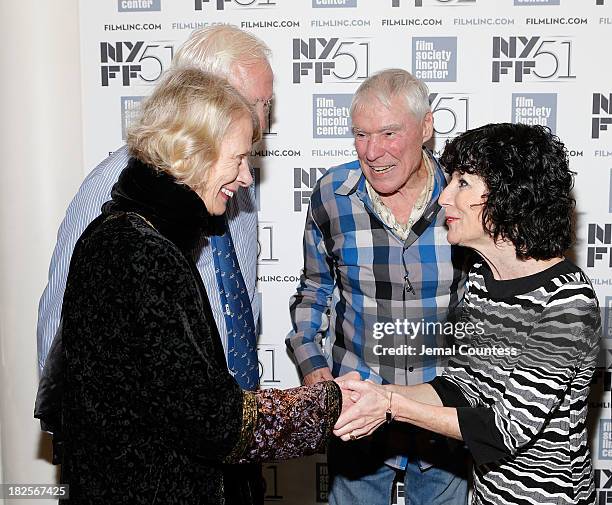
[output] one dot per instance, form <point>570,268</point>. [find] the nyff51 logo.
<point>129,61</point>
<point>268,373</point>
<point>303,182</point>
<point>532,58</point>
<point>221,4</point>
<point>603,485</point>
<point>599,244</point>
<point>451,113</point>
<point>602,104</point>
<point>266,243</point>
<point>331,60</point>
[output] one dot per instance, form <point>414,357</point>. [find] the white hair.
<point>216,49</point>
<point>390,83</point>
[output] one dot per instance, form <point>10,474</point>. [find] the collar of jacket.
<point>355,183</point>
<point>173,208</point>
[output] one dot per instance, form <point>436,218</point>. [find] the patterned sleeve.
<point>562,346</point>
<point>309,306</point>
<point>283,424</point>
<point>82,210</point>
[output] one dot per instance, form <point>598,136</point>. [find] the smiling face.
<point>389,143</point>
<point>231,170</point>
<point>462,200</point>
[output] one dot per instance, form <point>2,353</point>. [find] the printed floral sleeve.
<point>283,424</point>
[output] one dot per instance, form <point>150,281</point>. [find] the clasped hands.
<point>364,407</point>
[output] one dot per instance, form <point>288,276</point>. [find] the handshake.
<point>365,405</point>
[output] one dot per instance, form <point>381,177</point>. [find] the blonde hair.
<point>218,48</point>
<point>388,84</point>
<point>184,121</point>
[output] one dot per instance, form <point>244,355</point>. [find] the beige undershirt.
<point>387,217</point>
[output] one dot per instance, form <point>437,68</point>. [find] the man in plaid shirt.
<point>377,269</point>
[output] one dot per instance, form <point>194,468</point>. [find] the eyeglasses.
<point>266,104</point>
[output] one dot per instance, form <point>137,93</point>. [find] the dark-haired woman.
<point>516,389</point>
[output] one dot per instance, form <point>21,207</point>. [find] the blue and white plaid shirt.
<point>358,275</point>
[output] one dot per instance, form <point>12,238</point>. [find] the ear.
<point>427,126</point>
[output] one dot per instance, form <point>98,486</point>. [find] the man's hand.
<point>349,397</point>
<point>351,376</point>
<point>318,375</point>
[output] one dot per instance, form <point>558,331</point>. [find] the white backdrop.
<point>535,61</point>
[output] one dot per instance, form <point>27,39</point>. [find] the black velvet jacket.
<point>149,411</point>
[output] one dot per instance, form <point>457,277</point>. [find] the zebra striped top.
<point>521,393</point>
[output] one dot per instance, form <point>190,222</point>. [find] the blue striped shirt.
<point>359,276</point>
<point>85,207</point>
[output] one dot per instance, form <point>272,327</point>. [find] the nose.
<point>245,179</point>
<point>374,149</point>
<point>445,197</point>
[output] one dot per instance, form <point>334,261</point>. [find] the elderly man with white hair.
<point>376,265</point>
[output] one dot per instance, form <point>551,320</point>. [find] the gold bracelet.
<point>388,413</point>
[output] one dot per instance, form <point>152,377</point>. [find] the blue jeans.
<point>359,477</point>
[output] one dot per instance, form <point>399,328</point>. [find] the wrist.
<point>390,412</point>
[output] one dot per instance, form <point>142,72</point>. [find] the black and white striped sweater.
<point>521,395</point>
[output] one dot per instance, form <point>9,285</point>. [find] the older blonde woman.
<point>516,388</point>
<point>149,410</point>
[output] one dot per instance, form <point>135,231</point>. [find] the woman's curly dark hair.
<point>526,171</point>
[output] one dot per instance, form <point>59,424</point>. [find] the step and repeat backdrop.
<point>541,62</point>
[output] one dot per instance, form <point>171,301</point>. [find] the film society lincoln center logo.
<point>535,109</point>
<point>331,116</point>
<point>434,59</point>
<point>607,323</point>
<point>605,439</point>
<point>321,4</point>
<point>130,106</point>
<point>138,5</point>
